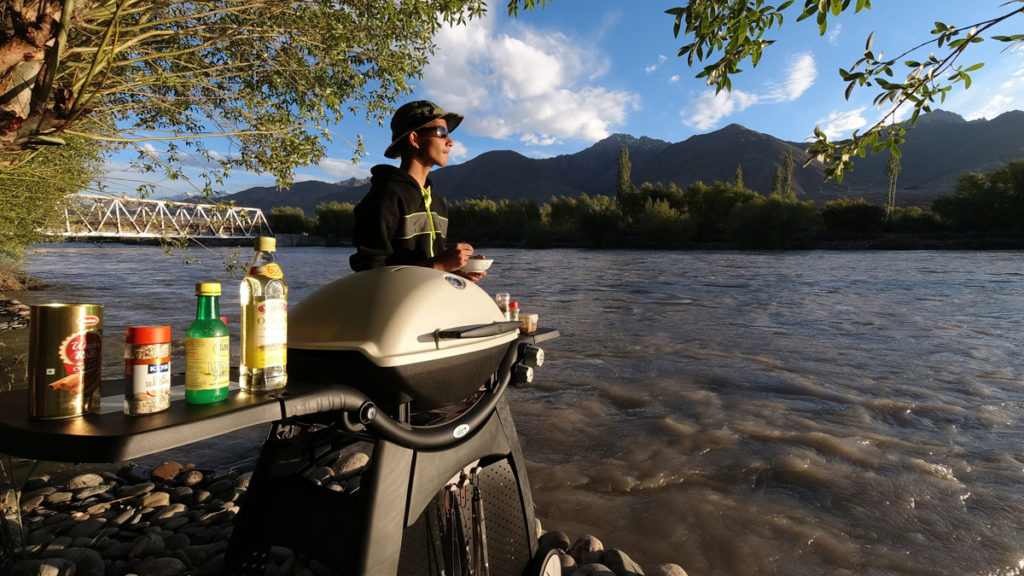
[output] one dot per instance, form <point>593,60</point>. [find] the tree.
<point>787,176</point>
<point>776,222</point>
<point>31,200</point>
<point>777,181</point>
<point>625,168</point>
<point>892,171</point>
<point>288,220</point>
<point>734,31</point>
<point>185,71</point>
<point>335,220</point>
<point>986,202</point>
<point>630,200</point>
<point>782,184</point>
<point>855,216</point>
<point>712,207</point>
<point>599,220</point>
<point>270,76</point>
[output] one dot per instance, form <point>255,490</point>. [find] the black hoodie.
<point>393,225</point>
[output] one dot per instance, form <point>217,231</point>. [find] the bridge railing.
<point>95,216</point>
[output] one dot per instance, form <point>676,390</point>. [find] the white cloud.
<point>801,76</point>
<point>998,91</point>
<point>842,124</point>
<point>834,33</point>
<point>994,106</point>
<point>710,108</point>
<point>458,151</point>
<point>539,88</point>
<point>673,79</point>
<point>654,67</point>
<point>338,169</point>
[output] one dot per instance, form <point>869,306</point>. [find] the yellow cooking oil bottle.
<point>264,345</point>
<point>207,350</point>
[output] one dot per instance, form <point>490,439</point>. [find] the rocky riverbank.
<point>13,314</point>
<point>13,342</point>
<point>175,520</point>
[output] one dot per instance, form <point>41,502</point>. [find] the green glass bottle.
<point>207,350</point>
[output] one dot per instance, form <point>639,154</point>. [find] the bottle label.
<point>149,388</point>
<point>207,363</point>
<point>271,270</point>
<point>266,334</point>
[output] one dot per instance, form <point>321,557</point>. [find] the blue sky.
<point>557,80</point>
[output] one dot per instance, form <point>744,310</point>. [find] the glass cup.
<point>502,299</point>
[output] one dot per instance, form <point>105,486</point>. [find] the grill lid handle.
<point>477,330</point>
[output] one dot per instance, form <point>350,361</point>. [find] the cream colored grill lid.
<point>393,316</point>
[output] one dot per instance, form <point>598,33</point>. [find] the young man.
<point>401,220</point>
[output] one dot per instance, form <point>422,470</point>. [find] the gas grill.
<point>414,362</point>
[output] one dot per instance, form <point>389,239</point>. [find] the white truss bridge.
<point>95,216</point>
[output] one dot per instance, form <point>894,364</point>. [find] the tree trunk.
<point>28,33</point>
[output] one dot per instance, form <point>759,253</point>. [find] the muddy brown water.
<point>734,413</point>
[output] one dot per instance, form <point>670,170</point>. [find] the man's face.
<point>431,148</point>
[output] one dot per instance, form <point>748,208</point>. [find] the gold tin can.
<point>65,353</point>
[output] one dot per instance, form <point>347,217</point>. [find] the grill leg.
<point>282,507</point>
<point>362,534</point>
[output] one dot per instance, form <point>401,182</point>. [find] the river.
<point>734,413</point>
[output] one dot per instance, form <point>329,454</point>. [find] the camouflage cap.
<point>413,116</point>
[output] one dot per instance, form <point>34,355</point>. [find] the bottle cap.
<point>513,304</point>
<point>266,244</point>
<point>208,289</point>
<point>147,334</point>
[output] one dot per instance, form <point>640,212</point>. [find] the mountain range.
<point>938,150</point>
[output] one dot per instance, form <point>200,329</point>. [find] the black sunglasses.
<point>439,131</point>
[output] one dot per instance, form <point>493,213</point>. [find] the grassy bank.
<point>13,330</point>
<point>13,359</point>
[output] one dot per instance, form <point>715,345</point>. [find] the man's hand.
<point>453,258</point>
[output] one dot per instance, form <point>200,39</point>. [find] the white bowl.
<point>477,265</point>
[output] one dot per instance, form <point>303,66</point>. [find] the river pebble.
<point>174,520</point>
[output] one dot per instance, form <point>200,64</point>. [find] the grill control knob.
<point>522,375</point>
<point>532,355</point>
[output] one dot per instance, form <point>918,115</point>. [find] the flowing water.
<point>734,413</point>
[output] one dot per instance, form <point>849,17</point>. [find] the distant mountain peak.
<point>940,117</point>
<point>734,127</point>
<point>353,182</point>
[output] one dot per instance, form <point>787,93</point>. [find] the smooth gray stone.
<point>586,550</point>
<point>87,562</point>
<point>620,563</point>
<point>84,481</point>
<point>553,540</point>
<point>594,569</point>
<point>667,570</point>
<point>168,566</point>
